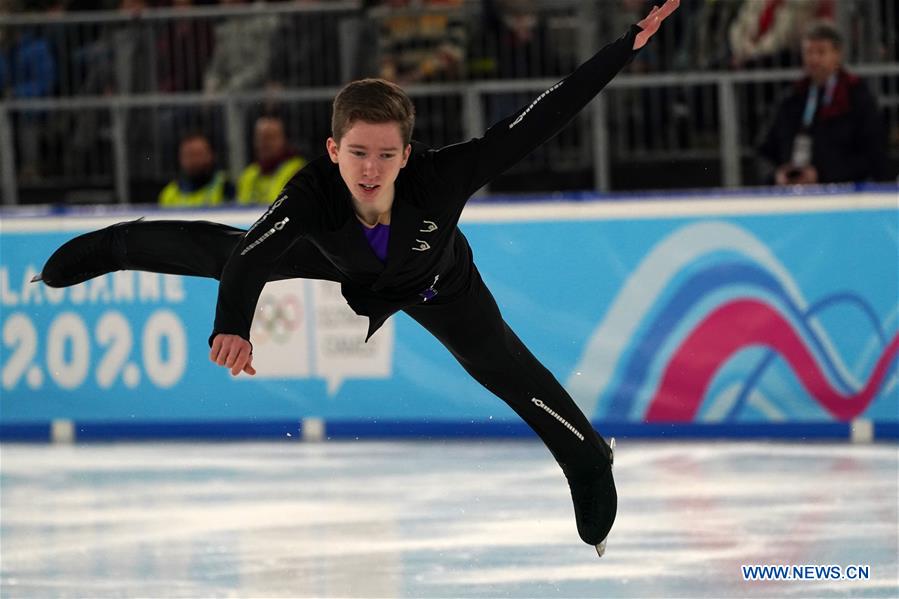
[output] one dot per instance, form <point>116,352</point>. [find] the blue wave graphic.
<point>706,281</point>
<point>821,305</point>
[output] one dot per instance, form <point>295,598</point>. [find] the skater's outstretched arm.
<point>290,217</point>
<point>511,139</point>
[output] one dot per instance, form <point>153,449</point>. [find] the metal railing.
<point>102,131</point>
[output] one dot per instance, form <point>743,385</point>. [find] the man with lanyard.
<point>828,129</point>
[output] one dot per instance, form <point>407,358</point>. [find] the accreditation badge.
<point>802,151</point>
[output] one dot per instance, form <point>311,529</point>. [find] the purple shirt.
<point>377,238</point>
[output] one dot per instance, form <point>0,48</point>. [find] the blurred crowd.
<point>403,40</point>
<point>407,41</point>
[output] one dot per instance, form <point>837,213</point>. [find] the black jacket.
<point>313,217</point>
<point>848,139</point>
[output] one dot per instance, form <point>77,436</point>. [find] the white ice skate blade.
<point>601,546</point>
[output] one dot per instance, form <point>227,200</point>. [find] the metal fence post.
<point>7,158</point>
<point>237,156</point>
<point>843,20</point>
<point>601,169</point>
<point>472,113</point>
<point>588,41</point>
<point>587,30</point>
<point>120,152</point>
<point>730,133</point>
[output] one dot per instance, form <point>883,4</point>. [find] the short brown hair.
<point>824,31</point>
<point>372,101</point>
<point>192,135</point>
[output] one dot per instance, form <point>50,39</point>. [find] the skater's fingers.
<point>216,348</point>
<point>234,350</point>
<point>668,8</point>
<point>659,14</point>
<point>234,354</point>
<point>221,346</point>
<point>650,24</point>
<point>249,366</point>
<point>227,348</point>
<point>240,360</point>
<point>644,22</point>
<point>227,351</point>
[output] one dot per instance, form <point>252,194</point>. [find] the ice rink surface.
<point>454,519</point>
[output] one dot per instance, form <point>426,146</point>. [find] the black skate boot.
<point>595,502</point>
<point>85,257</point>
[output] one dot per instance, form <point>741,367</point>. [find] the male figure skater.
<point>379,215</point>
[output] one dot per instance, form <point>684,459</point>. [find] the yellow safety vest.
<point>255,188</point>
<point>211,194</point>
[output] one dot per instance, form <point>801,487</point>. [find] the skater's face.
<point>820,59</point>
<point>370,156</point>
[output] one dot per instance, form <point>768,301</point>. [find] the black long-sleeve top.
<point>426,250</point>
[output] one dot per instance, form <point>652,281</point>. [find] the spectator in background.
<point>511,43</point>
<point>59,37</point>
<point>639,119</point>
<point>27,66</point>
<point>123,60</point>
<point>766,33</point>
<point>183,51</point>
<point>422,40</point>
<point>276,162</point>
<point>184,48</point>
<point>304,55</point>
<point>704,44</point>
<point>242,52</point>
<point>199,183</point>
<point>888,43</point>
<point>120,62</point>
<point>27,71</point>
<point>617,19</point>
<point>303,52</point>
<point>829,128</point>
<point>85,5</point>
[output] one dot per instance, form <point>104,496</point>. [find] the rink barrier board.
<point>569,208</point>
<point>349,430</point>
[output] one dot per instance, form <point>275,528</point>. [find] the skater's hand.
<point>233,352</point>
<point>651,23</point>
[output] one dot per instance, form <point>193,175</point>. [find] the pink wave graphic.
<point>743,323</point>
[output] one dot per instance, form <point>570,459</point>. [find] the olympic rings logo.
<point>277,318</point>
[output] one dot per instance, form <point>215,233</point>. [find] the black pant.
<point>468,324</point>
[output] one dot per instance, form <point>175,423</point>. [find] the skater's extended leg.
<point>197,248</point>
<point>472,328</point>
<point>193,248</point>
